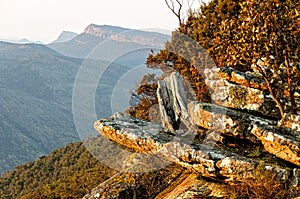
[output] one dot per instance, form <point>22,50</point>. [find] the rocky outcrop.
<point>173,103</point>
<point>144,137</point>
<point>211,139</point>
<point>174,110</point>
<point>152,140</point>
<point>237,90</point>
<point>246,126</point>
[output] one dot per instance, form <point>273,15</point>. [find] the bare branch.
<point>171,6</point>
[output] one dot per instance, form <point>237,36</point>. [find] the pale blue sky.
<point>44,20</point>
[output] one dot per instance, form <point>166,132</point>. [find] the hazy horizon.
<point>44,20</point>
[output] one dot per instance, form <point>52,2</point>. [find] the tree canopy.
<point>265,38</point>
<point>249,35</point>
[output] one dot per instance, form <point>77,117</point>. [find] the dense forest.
<point>68,172</point>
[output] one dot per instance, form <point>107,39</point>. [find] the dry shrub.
<point>264,185</point>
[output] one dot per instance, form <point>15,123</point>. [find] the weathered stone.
<point>244,79</point>
<point>224,120</point>
<point>291,121</point>
<point>172,98</point>
<point>244,125</point>
<point>148,138</point>
<point>237,90</point>
<point>282,146</point>
<point>139,135</point>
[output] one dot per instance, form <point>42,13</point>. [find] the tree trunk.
<point>291,90</point>
<point>269,86</point>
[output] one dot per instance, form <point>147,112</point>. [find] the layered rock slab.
<point>151,139</point>
<point>242,125</point>
<point>245,91</point>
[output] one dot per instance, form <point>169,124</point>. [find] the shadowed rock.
<point>172,98</point>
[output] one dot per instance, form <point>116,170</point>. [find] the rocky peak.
<point>104,31</point>
<point>127,35</point>
<point>65,36</point>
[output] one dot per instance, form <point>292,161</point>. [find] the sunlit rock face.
<point>211,139</point>
<point>154,141</point>
<point>245,91</point>
<point>173,103</point>
<point>127,35</point>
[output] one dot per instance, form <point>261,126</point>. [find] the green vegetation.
<point>69,172</point>
<point>266,38</point>
<point>249,35</point>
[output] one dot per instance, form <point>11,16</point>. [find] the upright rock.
<point>173,101</point>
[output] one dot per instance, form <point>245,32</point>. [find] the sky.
<point>44,20</point>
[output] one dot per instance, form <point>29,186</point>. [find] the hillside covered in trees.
<point>68,172</point>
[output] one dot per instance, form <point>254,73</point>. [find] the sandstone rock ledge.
<point>148,138</point>
<point>198,160</point>
<point>201,138</point>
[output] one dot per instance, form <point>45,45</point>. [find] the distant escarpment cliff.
<point>127,35</point>
<point>82,45</point>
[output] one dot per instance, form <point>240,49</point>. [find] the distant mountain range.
<point>36,84</point>
<point>21,41</point>
<point>120,38</point>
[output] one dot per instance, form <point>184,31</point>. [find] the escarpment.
<point>217,143</point>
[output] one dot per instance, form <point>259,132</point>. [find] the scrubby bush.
<point>265,38</point>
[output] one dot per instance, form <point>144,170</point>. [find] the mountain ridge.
<point>36,85</point>
<point>65,36</point>
<point>95,35</point>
